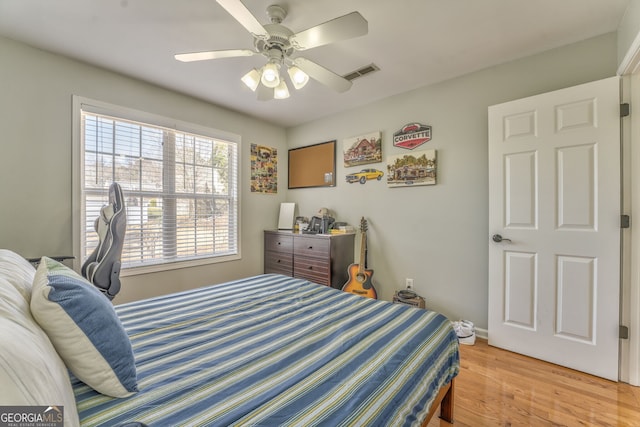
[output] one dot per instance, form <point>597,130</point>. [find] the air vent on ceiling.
<point>362,72</point>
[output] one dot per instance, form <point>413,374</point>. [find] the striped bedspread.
<point>273,351</point>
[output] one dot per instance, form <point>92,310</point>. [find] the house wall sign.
<point>412,135</point>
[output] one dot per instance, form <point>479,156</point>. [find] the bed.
<point>273,350</point>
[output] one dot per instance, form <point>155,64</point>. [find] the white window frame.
<point>80,104</point>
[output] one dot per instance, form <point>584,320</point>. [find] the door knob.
<point>498,238</point>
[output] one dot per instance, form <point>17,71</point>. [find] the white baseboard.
<point>482,333</point>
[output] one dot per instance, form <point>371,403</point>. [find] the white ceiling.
<point>414,42</point>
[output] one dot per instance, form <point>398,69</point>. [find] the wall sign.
<point>362,149</point>
<point>264,169</point>
<point>418,168</point>
<point>412,135</point>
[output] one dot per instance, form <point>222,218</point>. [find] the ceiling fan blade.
<point>342,28</point>
<point>241,14</point>
<point>324,76</point>
<point>213,54</point>
<point>264,93</point>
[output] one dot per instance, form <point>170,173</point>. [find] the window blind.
<point>180,189</point>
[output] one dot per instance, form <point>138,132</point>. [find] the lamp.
<point>252,79</point>
<point>298,77</point>
<point>271,75</point>
<point>281,91</point>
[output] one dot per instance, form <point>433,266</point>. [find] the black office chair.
<point>102,268</point>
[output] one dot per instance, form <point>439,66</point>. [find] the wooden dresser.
<point>319,258</point>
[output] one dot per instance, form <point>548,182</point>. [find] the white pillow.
<point>17,271</point>
<point>84,328</point>
<point>31,372</point>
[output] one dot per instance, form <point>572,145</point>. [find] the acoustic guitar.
<point>360,277</point>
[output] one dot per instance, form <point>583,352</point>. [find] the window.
<point>180,188</point>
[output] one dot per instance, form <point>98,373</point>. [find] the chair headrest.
<point>116,198</point>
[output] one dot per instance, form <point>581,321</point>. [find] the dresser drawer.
<point>278,262</point>
<point>313,269</point>
<point>320,259</point>
<point>278,242</point>
<point>312,246</point>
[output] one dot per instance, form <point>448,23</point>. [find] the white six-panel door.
<point>554,191</point>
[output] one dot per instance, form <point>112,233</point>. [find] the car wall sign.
<point>412,135</point>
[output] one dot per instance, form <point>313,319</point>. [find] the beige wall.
<point>35,160</point>
<point>438,235</point>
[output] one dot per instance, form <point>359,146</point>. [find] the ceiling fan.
<point>277,43</point>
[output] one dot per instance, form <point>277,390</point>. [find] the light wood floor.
<point>499,388</point>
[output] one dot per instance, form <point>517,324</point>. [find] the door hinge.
<point>624,332</point>
<point>625,109</point>
<point>625,221</point>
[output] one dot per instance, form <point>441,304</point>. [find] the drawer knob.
<point>310,267</point>
<point>278,261</point>
<point>279,243</point>
<point>310,247</point>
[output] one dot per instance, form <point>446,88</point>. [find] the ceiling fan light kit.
<point>277,43</point>
<point>252,79</point>
<point>271,75</point>
<point>281,91</point>
<point>298,77</point>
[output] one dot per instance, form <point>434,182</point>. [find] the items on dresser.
<point>320,225</point>
<point>319,258</point>
<point>287,213</point>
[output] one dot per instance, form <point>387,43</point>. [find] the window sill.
<point>167,266</point>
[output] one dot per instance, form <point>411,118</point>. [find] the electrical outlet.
<point>409,283</point>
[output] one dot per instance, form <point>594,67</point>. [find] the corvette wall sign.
<point>412,135</point>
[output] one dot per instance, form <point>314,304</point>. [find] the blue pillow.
<point>84,329</point>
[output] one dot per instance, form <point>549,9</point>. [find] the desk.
<point>60,258</point>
